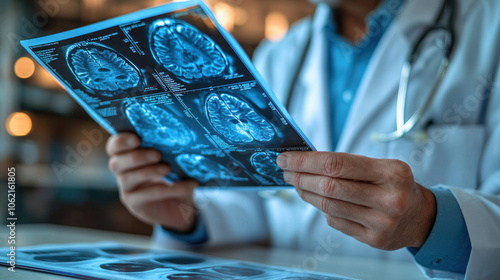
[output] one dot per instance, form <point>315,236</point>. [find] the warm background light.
<point>18,124</point>
<point>276,26</point>
<point>225,15</point>
<point>240,16</point>
<point>24,67</point>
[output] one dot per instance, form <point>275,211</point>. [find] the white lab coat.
<point>462,152</point>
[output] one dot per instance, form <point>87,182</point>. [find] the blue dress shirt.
<point>448,246</point>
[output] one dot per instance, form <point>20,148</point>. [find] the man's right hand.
<point>143,189</point>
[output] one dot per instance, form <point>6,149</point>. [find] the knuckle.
<point>333,165</point>
<point>325,205</point>
<point>330,221</point>
<point>389,223</point>
<point>397,202</point>
<point>327,186</point>
<point>113,164</point>
<point>377,240</point>
<point>122,180</point>
<point>401,170</point>
<point>296,179</point>
<point>299,161</point>
<point>300,192</point>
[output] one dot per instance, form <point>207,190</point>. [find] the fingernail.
<point>168,182</point>
<point>162,170</point>
<point>131,142</point>
<point>152,155</point>
<point>281,161</point>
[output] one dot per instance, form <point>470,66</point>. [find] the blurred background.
<point>58,151</point>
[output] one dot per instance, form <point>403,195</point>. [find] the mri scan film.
<point>157,126</point>
<point>145,265</point>
<point>172,75</point>
<point>185,51</point>
<point>265,164</point>
<point>101,69</point>
<point>236,121</point>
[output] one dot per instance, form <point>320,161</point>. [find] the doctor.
<point>431,195</point>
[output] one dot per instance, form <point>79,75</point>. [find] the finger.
<point>348,227</point>
<point>158,192</point>
<point>339,165</point>
<point>347,190</point>
<point>149,174</point>
<point>134,159</point>
<point>119,143</point>
<point>337,208</point>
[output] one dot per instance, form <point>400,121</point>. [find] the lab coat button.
<point>437,261</point>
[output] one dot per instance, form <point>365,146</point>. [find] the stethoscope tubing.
<point>403,127</point>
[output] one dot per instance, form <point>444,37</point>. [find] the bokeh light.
<point>24,67</point>
<point>276,26</point>
<point>225,15</point>
<point>18,124</point>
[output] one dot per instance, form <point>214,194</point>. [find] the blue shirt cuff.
<point>196,237</point>
<point>448,246</point>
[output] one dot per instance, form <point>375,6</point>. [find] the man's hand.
<point>376,201</point>
<point>144,191</point>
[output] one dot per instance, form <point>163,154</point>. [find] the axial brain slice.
<point>201,168</point>
<point>236,120</point>
<point>265,164</point>
<point>157,126</point>
<point>186,52</point>
<point>103,70</point>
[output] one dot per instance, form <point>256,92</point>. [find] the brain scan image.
<point>192,276</point>
<point>202,169</point>
<point>185,51</point>
<point>157,126</point>
<point>181,260</point>
<point>125,251</point>
<point>70,256</point>
<point>265,164</point>
<point>236,121</point>
<point>238,271</point>
<point>127,267</point>
<point>102,70</point>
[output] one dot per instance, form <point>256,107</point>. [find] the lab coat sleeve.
<point>230,217</point>
<point>481,207</point>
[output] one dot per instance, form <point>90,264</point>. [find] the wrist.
<point>428,217</point>
<point>186,229</point>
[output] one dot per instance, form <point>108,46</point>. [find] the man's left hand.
<point>376,201</point>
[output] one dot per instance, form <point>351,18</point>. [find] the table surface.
<point>361,268</point>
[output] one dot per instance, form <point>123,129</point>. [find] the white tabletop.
<point>361,268</point>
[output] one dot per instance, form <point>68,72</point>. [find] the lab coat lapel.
<point>312,105</point>
<point>381,80</point>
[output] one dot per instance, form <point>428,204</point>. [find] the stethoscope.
<point>403,126</point>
